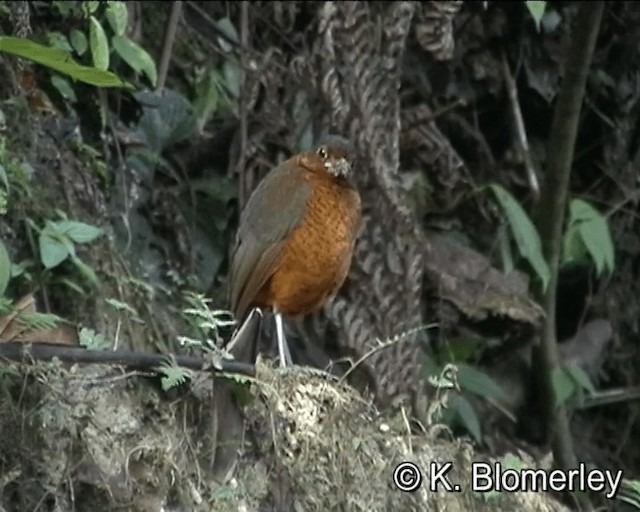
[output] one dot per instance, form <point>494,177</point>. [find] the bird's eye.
<point>322,152</point>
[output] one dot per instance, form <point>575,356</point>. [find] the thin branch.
<point>40,351</point>
<point>610,396</point>
<point>167,49</point>
<point>551,217</point>
<point>244,41</point>
<point>521,131</point>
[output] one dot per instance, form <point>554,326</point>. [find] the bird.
<point>296,237</point>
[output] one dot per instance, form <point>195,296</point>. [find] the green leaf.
<point>78,41</point>
<point>59,61</point>
<point>573,248</point>
<point>93,340</point>
<point>506,254</point>
<point>524,233</point>
<point>18,269</point>
<point>173,376</point>
<point>99,44</point>
<point>630,493</point>
<point>465,349</point>
<point>72,285</point>
<point>563,385</point>
<point>207,96</point>
<point>59,41</point>
<point>136,56</point>
<point>479,383</point>
<point>594,232</point>
<point>65,7</point>
<point>4,179</point>
<point>5,268</point>
<point>53,251</point>
<point>233,78</point>
<point>86,271</point>
<point>39,321</point>
<point>117,15</point>
<point>63,86</point>
<point>91,6</point>
<point>79,232</point>
<point>580,377</point>
<point>512,461</point>
<point>225,25</point>
<point>167,119</point>
<point>123,306</point>
<point>120,306</point>
<point>466,414</point>
<point>536,9</point>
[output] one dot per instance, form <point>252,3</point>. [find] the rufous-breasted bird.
<point>296,236</point>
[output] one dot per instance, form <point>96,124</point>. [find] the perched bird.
<point>296,236</point>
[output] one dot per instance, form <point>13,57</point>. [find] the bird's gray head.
<point>337,155</point>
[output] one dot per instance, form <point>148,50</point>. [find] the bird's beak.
<point>340,168</point>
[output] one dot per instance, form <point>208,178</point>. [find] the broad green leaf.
<point>60,61</point>
<point>467,415</point>
<point>117,15</point>
<point>64,7</point>
<point>53,251</point>
<point>167,119</point>
<point>59,40</point>
<point>581,211</point>
<point>524,233</point>
<point>580,377</point>
<point>563,385</point>
<point>594,232</point>
<point>78,41</point>
<point>479,383</point>
<point>5,268</point>
<point>206,97</point>
<point>225,25</point>
<point>17,269</point>
<point>233,78</point>
<point>63,86</point>
<point>99,44</point>
<point>79,232</point>
<point>136,56</point>
<point>465,349</point>
<point>91,6</point>
<point>536,9</point>
<point>573,248</point>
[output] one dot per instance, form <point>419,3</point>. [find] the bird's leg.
<point>243,344</point>
<point>283,348</point>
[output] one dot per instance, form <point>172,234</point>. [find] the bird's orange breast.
<point>317,254</point>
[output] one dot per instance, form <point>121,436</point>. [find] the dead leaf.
<point>12,328</point>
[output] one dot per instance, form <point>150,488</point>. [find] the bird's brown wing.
<point>273,211</point>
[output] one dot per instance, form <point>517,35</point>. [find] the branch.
<point>169,38</point>
<point>27,352</point>
<point>521,131</point>
<point>552,213</point>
